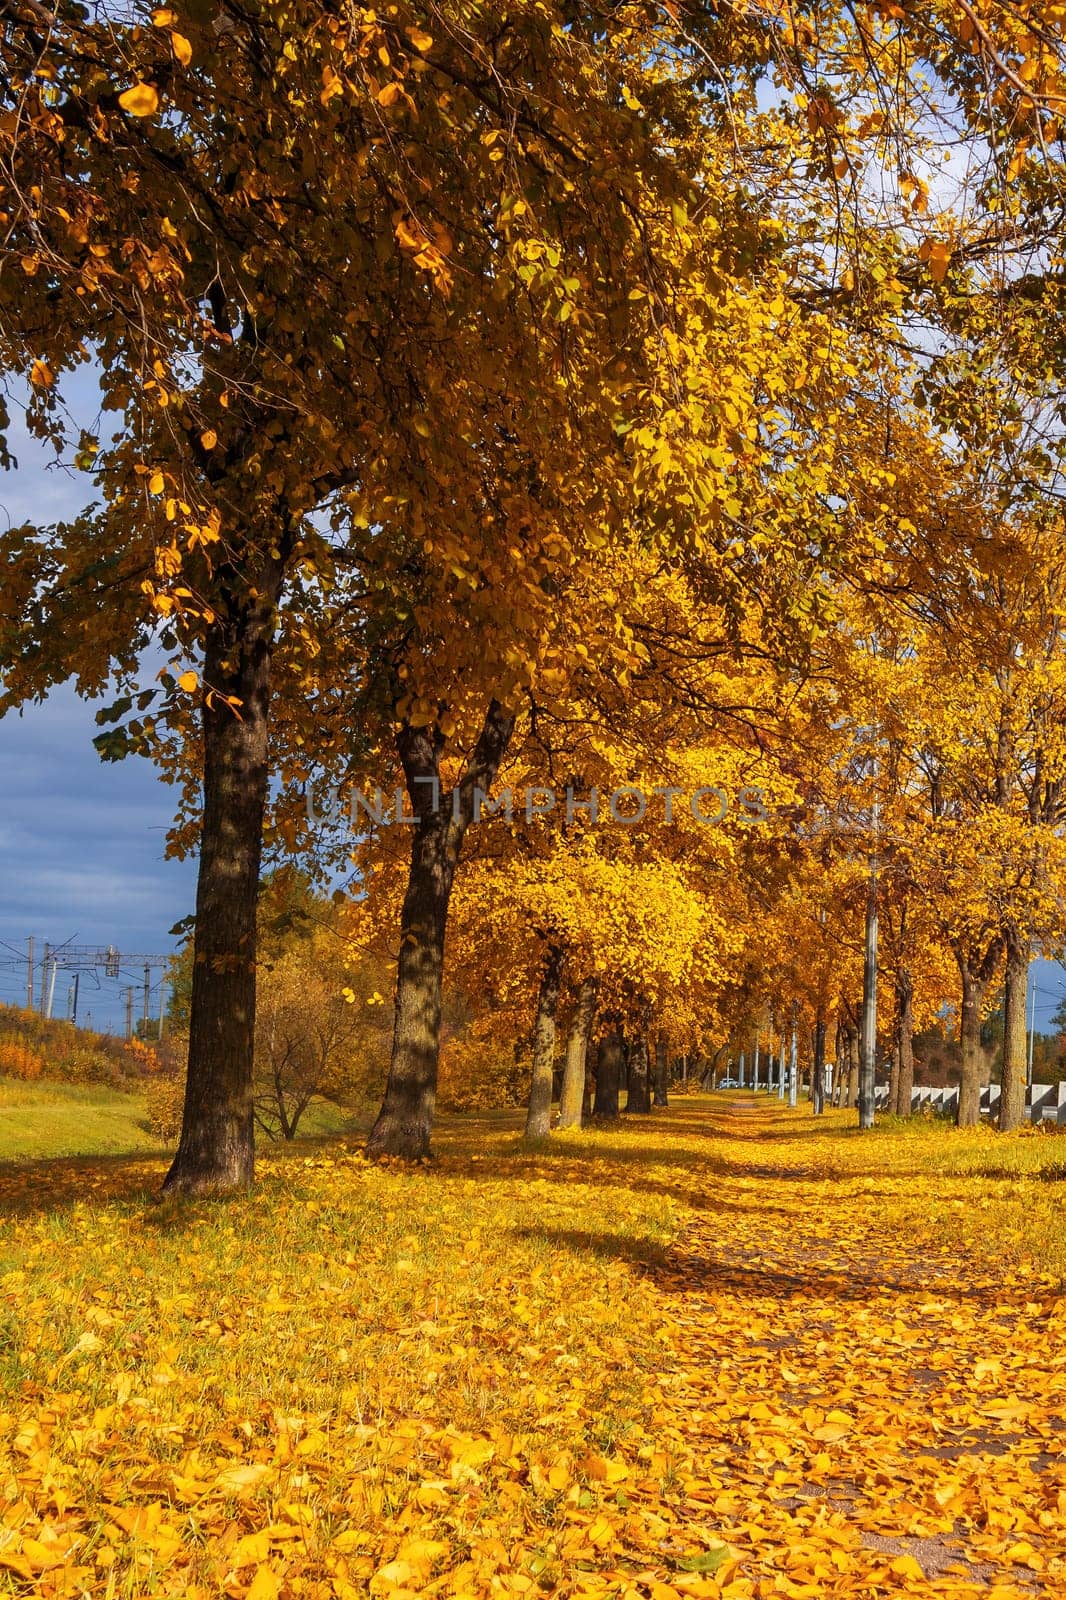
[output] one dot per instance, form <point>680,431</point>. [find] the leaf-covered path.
<point>877,1398</point>
<point>726,1351</point>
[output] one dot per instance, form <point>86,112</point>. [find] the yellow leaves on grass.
<point>811,1393</point>
<point>264,1586</point>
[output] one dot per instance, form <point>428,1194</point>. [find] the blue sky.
<point>81,841</point>
<point>81,854</point>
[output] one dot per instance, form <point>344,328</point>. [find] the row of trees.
<point>619,397</point>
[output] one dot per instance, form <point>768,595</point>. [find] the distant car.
<point>730,1083</point>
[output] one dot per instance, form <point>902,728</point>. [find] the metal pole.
<point>44,975</point>
<point>162,1006</point>
<point>52,987</point>
<point>1032,1031</point>
<point>29,973</point>
<point>129,1012</point>
<point>147,992</point>
<point>74,1008</point>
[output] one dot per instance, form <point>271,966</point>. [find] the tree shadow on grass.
<point>680,1271</point>
<point>58,1183</point>
<point>44,1185</point>
<point>647,1255</point>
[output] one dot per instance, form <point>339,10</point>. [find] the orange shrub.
<point>478,1071</point>
<point>19,1059</point>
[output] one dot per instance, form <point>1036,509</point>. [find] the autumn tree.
<point>336,387</point>
<point>398,321</point>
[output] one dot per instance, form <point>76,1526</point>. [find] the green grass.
<point>59,1119</point>
<point>43,1119</point>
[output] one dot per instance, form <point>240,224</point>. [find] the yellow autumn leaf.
<point>251,1549</point>
<point>140,101</point>
<point>264,1586</point>
<point>237,1480</point>
<point>939,259</point>
<point>182,48</point>
<point>188,681</point>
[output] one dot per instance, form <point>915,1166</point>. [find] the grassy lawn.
<point>723,1352</point>
<point>41,1120</point>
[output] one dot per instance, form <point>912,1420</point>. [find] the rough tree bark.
<point>662,1073</point>
<point>851,1092</point>
<point>405,1122</point>
<point>216,1151</point>
<point>608,1076</point>
<point>709,1076</point>
<point>638,1099</point>
<point>818,1067</point>
<point>976,974</point>
<point>592,1067</point>
<point>1012,1091</point>
<point>905,1003</point>
<point>572,1096</point>
<point>539,1113</point>
<point>867,1075</point>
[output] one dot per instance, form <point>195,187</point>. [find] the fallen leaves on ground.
<point>725,1351</point>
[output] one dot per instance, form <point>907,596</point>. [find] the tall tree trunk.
<point>659,1098</point>
<point>852,1093</point>
<point>709,1076</point>
<point>638,1099</point>
<point>1012,1091</point>
<point>592,1062</point>
<point>905,1001</point>
<point>893,1075</point>
<point>539,1114</point>
<point>608,1076</point>
<point>793,1061</point>
<point>969,1110</point>
<point>818,1067</point>
<point>868,1028</point>
<point>405,1122</point>
<point>216,1152</point>
<point>976,975</point>
<point>572,1097</point>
